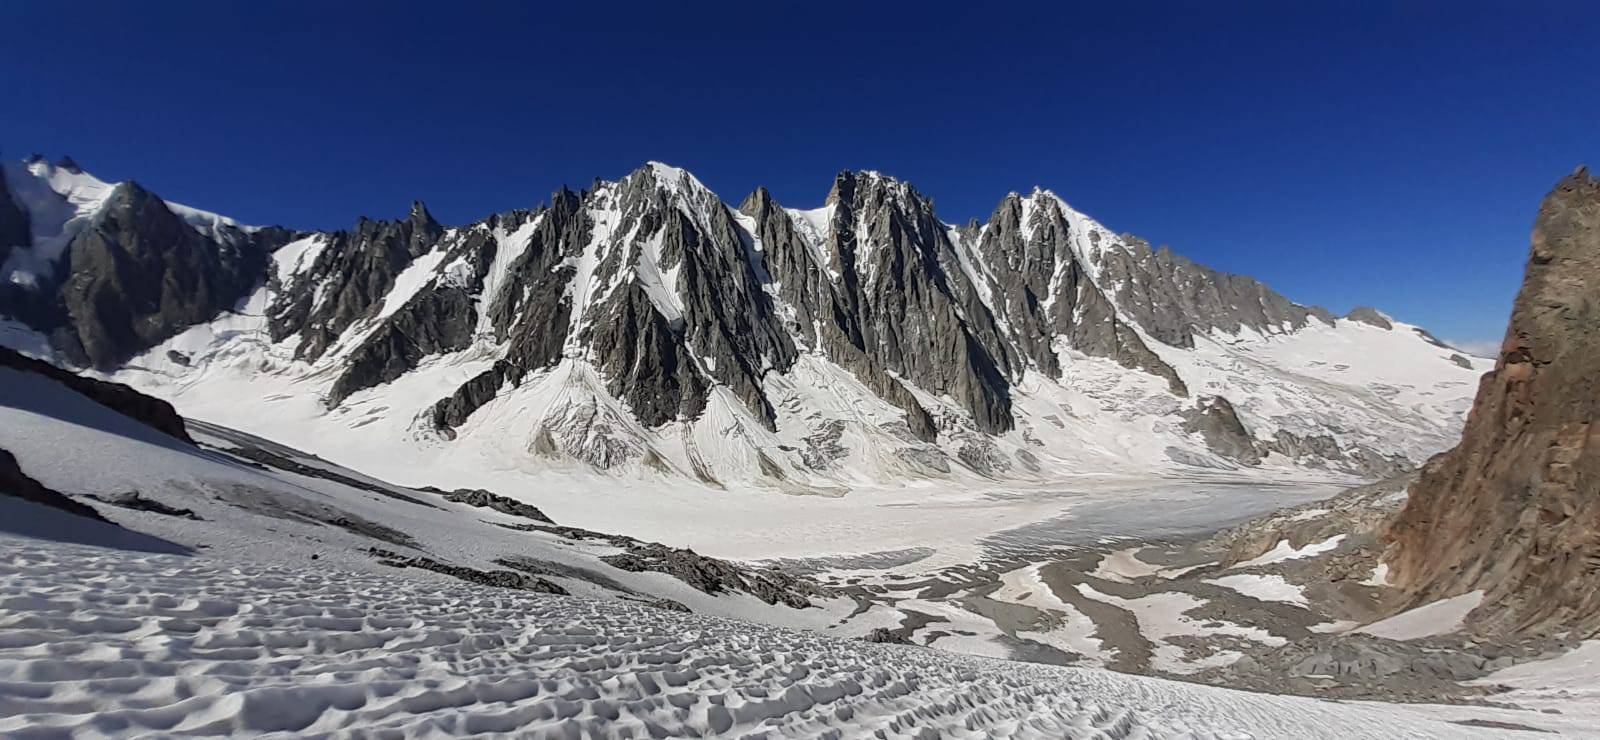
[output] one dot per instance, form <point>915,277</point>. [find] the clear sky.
<point>1383,153</point>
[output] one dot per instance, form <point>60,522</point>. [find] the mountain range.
<point>644,327</point>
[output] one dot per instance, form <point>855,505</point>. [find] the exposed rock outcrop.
<point>714,576</point>
<point>139,502</point>
<point>511,579</point>
<point>1514,510</point>
<point>140,274</point>
<point>354,272</point>
<point>1171,297</point>
<point>154,412</point>
<point>490,500</point>
<point>1214,419</point>
<point>1369,316</point>
<point>15,230</point>
<point>14,482</point>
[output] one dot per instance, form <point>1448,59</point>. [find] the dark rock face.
<point>649,355</point>
<point>876,297</point>
<point>154,412</point>
<point>1171,297</point>
<point>891,254</point>
<point>1042,289</point>
<point>1216,421</point>
<point>1514,509</point>
<point>15,230</point>
<point>14,482</point>
<point>1369,316</point>
<point>823,316</point>
<point>353,273</point>
<point>140,274</point>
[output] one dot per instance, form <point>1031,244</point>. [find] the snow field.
<point>104,643</point>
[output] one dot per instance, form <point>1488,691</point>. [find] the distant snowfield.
<point>101,642</point>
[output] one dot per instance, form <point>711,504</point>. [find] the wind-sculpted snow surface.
<point>97,642</point>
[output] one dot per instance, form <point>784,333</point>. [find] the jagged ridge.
<point>647,304</point>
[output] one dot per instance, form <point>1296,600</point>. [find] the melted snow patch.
<point>1165,615</point>
<point>1437,618</point>
<point>1074,632</point>
<point>1263,588</point>
<point>1124,566</point>
<point>1284,551</point>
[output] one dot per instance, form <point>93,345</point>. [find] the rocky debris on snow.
<point>1353,666</point>
<point>1324,451</point>
<point>139,502</point>
<point>706,574</point>
<point>822,447</point>
<point>498,578</point>
<point>1461,361</point>
<point>1514,509</point>
<point>668,605</point>
<point>153,412</point>
<point>538,567</point>
<point>14,482</point>
<point>1363,511</point>
<point>488,500</point>
<point>271,459</point>
<point>714,576</point>
<point>886,635</point>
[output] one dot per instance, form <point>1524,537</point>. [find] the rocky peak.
<point>1514,509</point>
<point>68,164</point>
<point>870,187</point>
<point>141,273</point>
<point>1370,316</point>
<point>420,218</point>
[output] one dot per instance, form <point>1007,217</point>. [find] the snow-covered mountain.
<point>92,462</point>
<point>645,328</point>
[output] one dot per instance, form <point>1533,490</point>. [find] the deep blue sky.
<point>1346,153</point>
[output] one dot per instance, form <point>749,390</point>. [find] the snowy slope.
<point>109,643</point>
<point>259,502</point>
